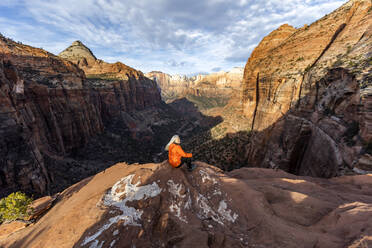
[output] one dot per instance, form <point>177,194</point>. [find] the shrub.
<point>337,63</point>
<point>351,131</point>
<point>348,49</point>
<point>368,148</point>
<point>14,206</point>
<point>327,111</point>
<point>300,59</point>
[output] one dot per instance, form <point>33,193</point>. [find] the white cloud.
<point>194,35</point>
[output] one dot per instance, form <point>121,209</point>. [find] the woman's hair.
<point>175,139</point>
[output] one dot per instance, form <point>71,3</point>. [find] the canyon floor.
<point>155,205</point>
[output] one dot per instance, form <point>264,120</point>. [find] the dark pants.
<point>186,161</point>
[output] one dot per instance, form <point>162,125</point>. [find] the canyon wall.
<point>207,91</point>
<point>307,95</point>
<point>49,109</point>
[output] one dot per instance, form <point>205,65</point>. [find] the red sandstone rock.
<point>40,207</point>
<point>7,229</point>
<point>82,56</point>
<point>48,109</point>
<point>307,94</point>
<point>157,205</point>
<point>222,85</point>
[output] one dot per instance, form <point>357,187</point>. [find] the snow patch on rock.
<point>176,203</point>
<point>206,177</point>
<point>175,208</point>
<point>112,243</point>
<point>96,244</point>
<point>175,189</point>
<point>216,192</point>
<point>226,213</point>
<point>122,192</point>
<point>223,213</point>
<point>188,203</point>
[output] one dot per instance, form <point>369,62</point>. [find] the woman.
<point>176,156</point>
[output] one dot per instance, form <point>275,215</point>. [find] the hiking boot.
<point>193,166</point>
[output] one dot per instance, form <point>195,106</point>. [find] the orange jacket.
<point>175,154</point>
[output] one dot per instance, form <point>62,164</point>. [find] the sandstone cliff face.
<point>307,94</point>
<point>215,88</point>
<point>155,205</point>
<point>48,110</point>
<point>77,53</point>
<point>95,68</point>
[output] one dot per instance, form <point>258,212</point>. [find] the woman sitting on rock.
<point>176,156</point>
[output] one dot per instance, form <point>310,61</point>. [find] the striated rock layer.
<point>307,95</point>
<point>207,91</point>
<point>155,205</point>
<point>48,109</point>
<point>95,68</point>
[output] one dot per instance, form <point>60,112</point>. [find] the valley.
<point>283,146</point>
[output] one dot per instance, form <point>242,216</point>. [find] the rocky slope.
<point>307,95</point>
<point>49,110</point>
<point>216,95</point>
<point>155,205</point>
<point>207,91</point>
<point>95,68</point>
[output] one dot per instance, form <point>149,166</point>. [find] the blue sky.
<point>173,36</point>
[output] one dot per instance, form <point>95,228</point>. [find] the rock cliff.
<point>155,205</point>
<point>49,109</point>
<point>307,95</point>
<point>95,68</point>
<point>207,91</point>
<point>216,95</point>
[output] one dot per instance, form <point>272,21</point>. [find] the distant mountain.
<point>76,52</point>
<point>95,68</point>
<point>220,85</point>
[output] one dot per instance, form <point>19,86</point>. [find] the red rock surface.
<point>213,89</point>
<point>82,56</point>
<point>7,229</point>
<point>40,207</point>
<point>307,94</point>
<point>155,205</point>
<point>48,109</point>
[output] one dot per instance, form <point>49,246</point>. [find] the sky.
<point>173,36</point>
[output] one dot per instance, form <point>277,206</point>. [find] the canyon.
<point>206,91</point>
<point>307,95</point>
<point>283,148</point>
<point>304,97</point>
<point>217,95</point>
<point>50,110</point>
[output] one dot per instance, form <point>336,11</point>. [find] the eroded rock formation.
<point>95,68</point>
<point>48,110</point>
<point>155,205</point>
<point>307,95</point>
<point>207,91</point>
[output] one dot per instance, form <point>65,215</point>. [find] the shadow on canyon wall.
<point>120,143</point>
<point>318,137</point>
<point>297,142</point>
